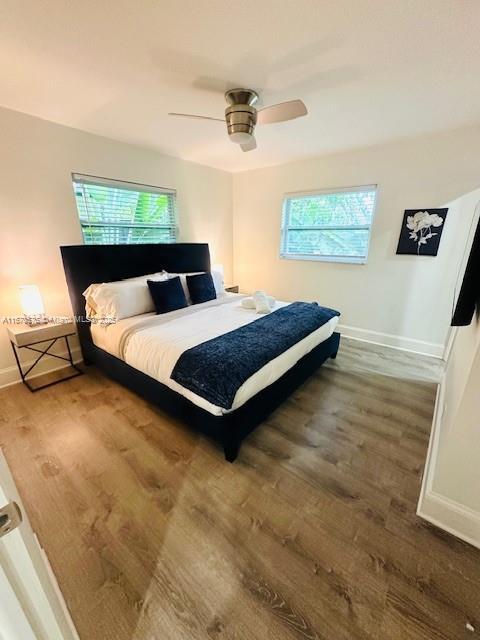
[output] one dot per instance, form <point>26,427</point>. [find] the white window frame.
<point>81,178</point>
<point>285,228</point>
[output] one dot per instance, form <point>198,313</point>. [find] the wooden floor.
<point>312,533</point>
<point>362,357</point>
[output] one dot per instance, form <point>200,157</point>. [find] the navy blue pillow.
<point>201,288</point>
<point>167,295</point>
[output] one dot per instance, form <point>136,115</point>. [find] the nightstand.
<point>23,336</point>
<point>232,288</point>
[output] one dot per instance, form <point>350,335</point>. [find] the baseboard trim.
<point>451,516</point>
<point>445,513</point>
<point>10,375</point>
<point>395,342</point>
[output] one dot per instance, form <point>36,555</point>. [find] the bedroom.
<point>305,495</point>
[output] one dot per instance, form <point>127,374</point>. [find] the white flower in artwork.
<point>420,226</point>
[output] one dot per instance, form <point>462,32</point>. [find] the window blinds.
<point>117,212</point>
<point>328,225</point>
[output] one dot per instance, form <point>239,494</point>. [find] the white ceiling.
<point>368,70</point>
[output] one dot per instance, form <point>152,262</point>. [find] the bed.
<point>140,352</point>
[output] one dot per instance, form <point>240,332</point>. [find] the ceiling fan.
<point>241,116</point>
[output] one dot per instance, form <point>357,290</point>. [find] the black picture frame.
<point>421,231</point>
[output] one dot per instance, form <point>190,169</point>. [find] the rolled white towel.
<point>261,302</point>
<point>249,303</point>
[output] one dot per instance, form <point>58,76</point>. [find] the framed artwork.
<point>421,231</point>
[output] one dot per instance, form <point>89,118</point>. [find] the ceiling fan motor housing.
<point>241,115</point>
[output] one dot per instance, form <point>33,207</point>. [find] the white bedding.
<point>153,343</point>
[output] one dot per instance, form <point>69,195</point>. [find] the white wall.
<point>400,300</point>
<point>458,469</point>
<point>451,489</point>
<point>38,212</point>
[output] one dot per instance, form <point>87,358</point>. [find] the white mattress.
<point>153,343</point>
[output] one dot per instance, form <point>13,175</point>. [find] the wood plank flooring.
<point>357,355</point>
<point>311,534</point>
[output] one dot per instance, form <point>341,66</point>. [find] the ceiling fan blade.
<point>281,112</point>
<point>191,115</point>
<point>249,146</point>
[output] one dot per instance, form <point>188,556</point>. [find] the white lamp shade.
<point>31,300</point>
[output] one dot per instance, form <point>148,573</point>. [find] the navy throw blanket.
<point>216,369</point>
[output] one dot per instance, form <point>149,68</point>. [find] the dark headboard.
<point>85,264</point>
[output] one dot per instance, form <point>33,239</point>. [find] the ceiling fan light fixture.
<point>240,137</point>
<point>241,96</point>
<point>241,120</point>
<point>241,115</point>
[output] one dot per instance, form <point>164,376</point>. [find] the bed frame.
<point>103,263</point>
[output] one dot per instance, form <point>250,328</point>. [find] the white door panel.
<point>32,597</point>
<point>13,621</point>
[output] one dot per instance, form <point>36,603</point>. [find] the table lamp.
<point>32,304</point>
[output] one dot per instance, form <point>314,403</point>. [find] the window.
<point>116,212</point>
<point>331,225</point>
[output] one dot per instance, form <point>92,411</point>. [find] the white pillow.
<point>217,278</point>
<point>90,307</point>
<point>159,275</point>
<point>117,299</point>
<point>218,283</point>
<point>122,300</point>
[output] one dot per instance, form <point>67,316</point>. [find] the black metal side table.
<point>23,336</point>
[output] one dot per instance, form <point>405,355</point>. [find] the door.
<point>31,604</point>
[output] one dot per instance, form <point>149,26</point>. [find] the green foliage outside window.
<point>328,225</point>
<point>114,215</point>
